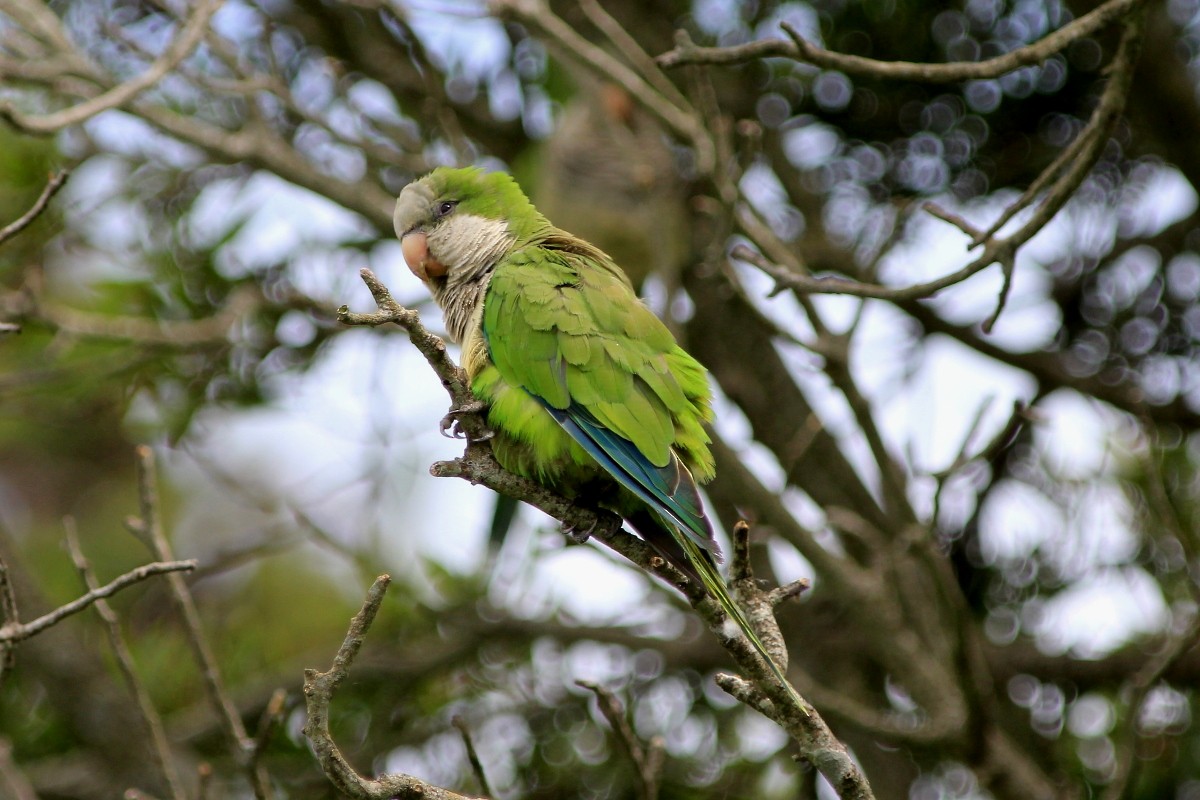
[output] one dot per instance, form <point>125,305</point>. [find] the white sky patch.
<point>1093,617</point>
<point>1016,519</point>
<point>1074,434</point>
<point>475,44</point>
<point>281,219</point>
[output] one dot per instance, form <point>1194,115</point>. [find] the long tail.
<point>697,564</point>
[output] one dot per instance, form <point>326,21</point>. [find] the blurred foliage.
<point>158,228</point>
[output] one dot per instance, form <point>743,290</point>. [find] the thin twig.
<point>1075,162</point>
<point>161,751</point>
<point>319,688</point>
<point>11,633</point>
<point>472,755</point>
<point>647,761</point>
<point>56,182</point>
<point>1140,685</point>
<point>268,724</point>
<point>629,47</point>
<point>798,48</point>
<point>153,535</point>
<point>572,46</point>
<point>8,616</point>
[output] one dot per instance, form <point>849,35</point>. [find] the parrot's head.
<point>454,226</point>
<point>455,223</point>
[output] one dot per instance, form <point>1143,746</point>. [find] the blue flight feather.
<point>622,459</point>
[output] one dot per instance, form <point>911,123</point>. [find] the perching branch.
<point>319,688</point>
<point>478,465</point>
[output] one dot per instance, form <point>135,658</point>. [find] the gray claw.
<point>451,425</point>
<point>578,536</point>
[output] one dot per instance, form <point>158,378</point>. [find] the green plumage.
<point>587,390</point>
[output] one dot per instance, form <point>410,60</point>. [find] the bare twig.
<point>319,688</point>
<point>648,760</point>
<point>1076,161</point>
<point>13,632</point>
<point>786,279</point>
<point>161,751</point>
<point>152,534</point>
<point>268,724</point>
<point>185,42</point>
<point>472,755</point>
<point>56,182</point>
<point>802,50</point>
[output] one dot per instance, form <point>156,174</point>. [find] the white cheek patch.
<point>467,243</point>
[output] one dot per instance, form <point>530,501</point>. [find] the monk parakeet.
<point>586,390</point>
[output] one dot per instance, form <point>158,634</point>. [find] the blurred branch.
<point>1074,163</point>
<point>629,47</point>
<point>183,44</point>
<point>472,755</point>
<point>8,615</point>
<point>13,631</point>
<point>1048,368</point>
<point>648,760</point>
<point>1139,686</point>
<point>800,49</point>
<point>268,724</point>
<point>149,529</point>
<point>161,751</point>
<point>537,15</point>
<point>319,688</point>
<point>214,330</point>
<point>57,181</point>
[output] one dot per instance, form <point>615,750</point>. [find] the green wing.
<point>569,331</point>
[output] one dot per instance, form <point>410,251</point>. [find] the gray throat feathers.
<point>470,246</point>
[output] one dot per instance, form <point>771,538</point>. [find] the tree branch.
<point>796,47</point>
<point>184,43</point>
<point>319,688</point>
<point>57,181</point>
<point>648,760</point>
<point>12,631</point>
<point>478,465</point>
<point>161,751</point>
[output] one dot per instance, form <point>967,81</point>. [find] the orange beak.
<point>415,246</point>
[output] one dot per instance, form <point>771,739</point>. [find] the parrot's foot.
<point>578,536</point>
<point>451,425</point>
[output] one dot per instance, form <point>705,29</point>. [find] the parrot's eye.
<point>445,207</point>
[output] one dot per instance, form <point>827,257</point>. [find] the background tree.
<point>892,213</point>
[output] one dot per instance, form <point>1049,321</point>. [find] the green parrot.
<point>586,390</point>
